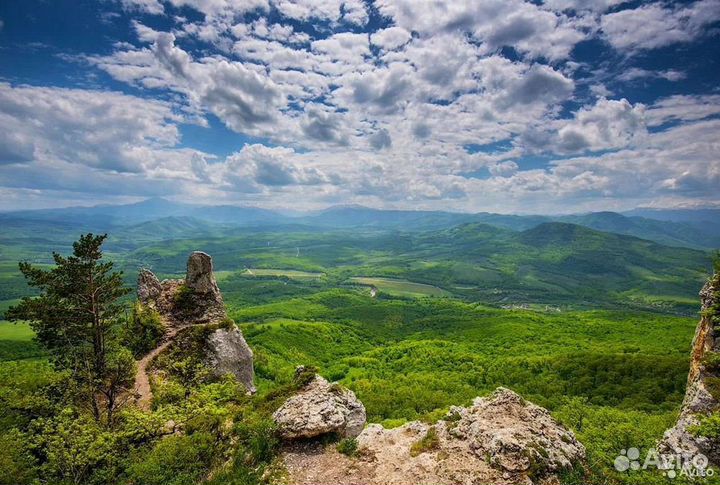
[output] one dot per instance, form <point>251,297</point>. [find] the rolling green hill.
<point>551,263</point>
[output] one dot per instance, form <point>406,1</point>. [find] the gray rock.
<point>698,401</point>
<point>230,354</point>
<point>148,286</point>
<point>320,408</point>
<point>501,439</point>
<point>200,278</point>
<point>202,302</point>
<point>516,435</point>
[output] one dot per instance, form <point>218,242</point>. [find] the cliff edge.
<point>702,396</point>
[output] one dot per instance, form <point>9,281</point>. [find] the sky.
<point>510,106</point>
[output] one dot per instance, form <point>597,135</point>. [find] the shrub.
<point>143,330</point>
<point>17,465</point>
<point>711,361</point>
<point>713,386</point>
<point>304,375</point>
<point>708,427</point>
<point>428,442</point>
<point>227,324</point>
<point>257,438</point>
<point>74,448</point>
<point>183,299</point>
<point>175,460</point>
<point>348,447</point>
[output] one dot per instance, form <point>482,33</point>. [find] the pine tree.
<point>74,319</point>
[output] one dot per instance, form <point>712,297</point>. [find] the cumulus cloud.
<point>257,165</point>
<point>609,124</point>
<point>656,25</point>
<point>242,97</point>
<point>539,84</point>
<point>390,38</point>
<point>495,23</point>
<point>94,128</point>
<point>354,113</point>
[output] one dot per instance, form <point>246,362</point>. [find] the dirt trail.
<point>143,391</point>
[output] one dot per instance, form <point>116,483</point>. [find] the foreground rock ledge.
<point>501,439</point>
<point>320,408</point>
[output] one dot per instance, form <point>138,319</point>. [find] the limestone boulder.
<point>228,353</point>
<point>500,439</point>
<point>320,408</point>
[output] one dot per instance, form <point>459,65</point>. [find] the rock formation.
<point>228,353</point>
<point>196,300</point>
<point>320,408</point>
<point>699,399</point>
<point>501,439</point>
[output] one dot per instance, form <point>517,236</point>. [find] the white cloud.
<point>153,7</point>
<point>655,25</point>
<point>390,38</point>
<point>682,108</point>
<point>309,9</point>
<point>257,166</point>
<point>230,8</point>
<point>496,23</point>
<point>99,129</point>
<point>355,12</point>
<point>607,125</point>
<point>635,73</point>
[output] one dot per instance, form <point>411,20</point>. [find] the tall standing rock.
<point>699,400</point>
<point>208,305</point>
<point>200,277</point>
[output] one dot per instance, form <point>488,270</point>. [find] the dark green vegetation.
<point>602,340</point>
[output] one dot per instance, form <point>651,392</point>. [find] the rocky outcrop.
<point>501,439</point>
<point>699,400</point>
<point>320,408</point>
<point>197,300</point>
<point>228,353</point>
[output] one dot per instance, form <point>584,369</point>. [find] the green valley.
<point>594,326</point>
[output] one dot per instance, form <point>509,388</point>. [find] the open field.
<point>400,287</point>
<point>16,342</point>
<point>290,273</point>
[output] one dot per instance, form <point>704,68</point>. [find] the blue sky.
<point>551,106</point>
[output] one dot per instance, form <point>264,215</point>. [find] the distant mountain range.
<point>152,217</point>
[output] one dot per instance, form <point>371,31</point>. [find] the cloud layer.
<point>452,105</point>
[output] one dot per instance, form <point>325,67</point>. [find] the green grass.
<point>400,287</point>
<point>16,342</point>
<point>290,273</point>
